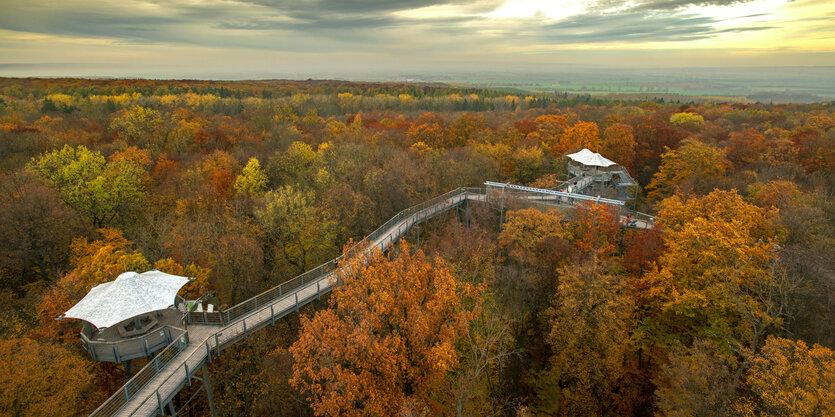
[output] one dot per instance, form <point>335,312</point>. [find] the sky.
<point>198,37</point>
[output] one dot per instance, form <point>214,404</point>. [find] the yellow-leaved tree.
<point>789,378</point>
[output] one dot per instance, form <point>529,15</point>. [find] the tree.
<point>42,379</point>
<point>467,127</point>
<point>100,190</point>
<point>595,228</point>
<point>252,181</point>
<point>716,281</point>
<point>588,335</point>
<point>388,339</point>
<point>689,121</point>
<point>525,230</point>
<point>36,231</point>
<point>527,164</point>
<point>788,378</point>
<point>697,382</point>
<point>93,263</point>
<point>746,147</point>
<point>549,129</point>
<point>619,144</point>
<point>296,232</point>
<point>695,165</point>
<point>138,126</point>
<point>581,135</point>
<point>238,263</point>
<point>431,133</point>
<point>297,166</point>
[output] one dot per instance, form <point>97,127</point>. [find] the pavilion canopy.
<point>130,295</point>
<point>589,158</point>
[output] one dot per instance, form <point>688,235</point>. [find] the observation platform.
<point>124,341</point>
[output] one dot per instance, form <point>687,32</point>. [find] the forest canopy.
<point>724,307</point>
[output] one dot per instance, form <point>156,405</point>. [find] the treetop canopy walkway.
<point>151,389</point>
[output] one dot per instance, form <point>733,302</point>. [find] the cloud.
<point>639,5</point>
<point>366,26</point>
<point>632,27</point>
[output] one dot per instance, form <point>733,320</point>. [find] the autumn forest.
<point>726,307</point>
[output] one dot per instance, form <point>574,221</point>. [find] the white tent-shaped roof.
<point>130,295</point>
<point>589,158</point>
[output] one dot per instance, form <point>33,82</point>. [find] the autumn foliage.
<point>388,339</point>
<point>724,307</point>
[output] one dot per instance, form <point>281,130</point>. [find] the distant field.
<point>782,84</point>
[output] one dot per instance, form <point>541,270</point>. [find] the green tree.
<point>138,126</point>
<point>100,190</point>
<point>296,166</point>
<point>253,180</point>
<point>296,232</point>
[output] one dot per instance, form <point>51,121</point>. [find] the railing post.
<point>256,302</point>
<point>127,393</point>
<point>244,322</point>
<point>217,343</point>
<point>301,278</point>
<point>188,378</point>
<point>156,365</point>
<point>272,314</point>
<point>297,302</point>
<point>208,351</point>
<point>318,290</point>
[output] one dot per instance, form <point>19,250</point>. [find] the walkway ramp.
<point>148,392</point>
<point>156,384</point>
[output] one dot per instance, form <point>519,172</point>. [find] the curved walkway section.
<point>153,387</point>
<point>148,392</point>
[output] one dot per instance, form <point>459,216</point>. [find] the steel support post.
<point>207,384</point>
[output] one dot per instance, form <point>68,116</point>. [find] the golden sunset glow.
<point>285,36</point>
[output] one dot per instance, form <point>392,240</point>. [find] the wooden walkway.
<point>152,388</point>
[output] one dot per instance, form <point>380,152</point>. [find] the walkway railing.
<point>126,349</point>
<point>267,297</point>
<point>145,375</point>
<point>255,309</point>
<point>239,313</point>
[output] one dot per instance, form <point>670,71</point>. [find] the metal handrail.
<point>557,193</point>
<point>145,375</point>
<point>241,311</point>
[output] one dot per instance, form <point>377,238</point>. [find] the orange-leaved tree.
<point>789,378</point>
<point>93,263</point>
<point>43,379</point>
<point>387,342</point>
<point>578,136</point>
